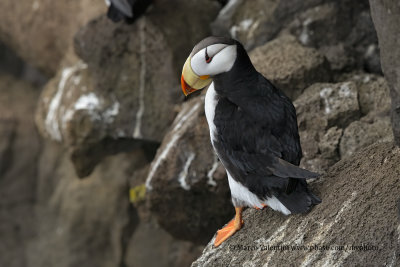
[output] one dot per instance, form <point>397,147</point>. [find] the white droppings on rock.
<point>211,172</point>
<point>311,258</point>
<point>325,93</point>
<point>77,80</point>
<point>68,115</point>
<point>185,171</point>
<point>88,102</point>
<point>178,130</point>
<point>92,105</point>
<point>110,113</point>
<point>393,260</point>
<point>243,26</point>
<point>35,5</point>
<point>273,240</point>
<point>344,90</point>
<point>52,120</point>
<point>371,49</point>
<point>137,133</point>
<point>304,37</point>
<point>366,79</point>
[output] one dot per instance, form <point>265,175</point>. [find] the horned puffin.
<point>253,129</point>
<point>128,10</point>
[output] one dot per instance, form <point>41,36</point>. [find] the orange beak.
<point>190,81</point>
<point>187,90</point>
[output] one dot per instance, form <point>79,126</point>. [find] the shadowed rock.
<point>188,188</point>
<point>20,146</point>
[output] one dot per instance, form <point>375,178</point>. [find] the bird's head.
<point>210,57</point>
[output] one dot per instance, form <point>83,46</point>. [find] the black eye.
<point>208,59</point>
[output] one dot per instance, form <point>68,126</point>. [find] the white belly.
<point>241,193</point>
<point>210,104</point>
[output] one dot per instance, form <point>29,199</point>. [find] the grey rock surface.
<point>386,16</point>
<point>341,30</point>
<point>289,65</point>
<point>356,223</point>
<point>364,132</point>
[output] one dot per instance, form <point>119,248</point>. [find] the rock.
<point>386,16</point>
<point>123,86</point>
<point>356,223</point>
<point>326,27</point>
<point>83,222</point>
<point>328,146</point>
<point>51,24</point>
<point>324,105</point>
<point>289,65</point>
<point>150,245</point>
<point>367,131</point>
<point>188,188</point>
<point>323,110</point>
<point>19,148</point>
<point>254,23</point>
<point>341,30</point>
<point>9,62</point>
<point>373,92</point>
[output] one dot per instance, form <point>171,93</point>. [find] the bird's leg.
<point>231,228</point>
<point>262,207</point>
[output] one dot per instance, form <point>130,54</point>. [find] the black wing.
<point>258,136</point>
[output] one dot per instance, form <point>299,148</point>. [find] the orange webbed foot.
<point>232,227</point>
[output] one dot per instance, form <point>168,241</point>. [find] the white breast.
<point>210,104</point>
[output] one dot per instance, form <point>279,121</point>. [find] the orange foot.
<point>231,228</point>
<point>263,206</point>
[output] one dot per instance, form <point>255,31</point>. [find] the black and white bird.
<point>253,129</point>
<point>128,10</point>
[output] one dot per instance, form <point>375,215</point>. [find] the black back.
<point>258,140</point>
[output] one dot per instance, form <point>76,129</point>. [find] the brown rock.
<point>83,222</point>
<point>20,145</point>
<point>126,86</point>
<point>189,193</point>
<point>151,245</point>
<point>365,132</point>
<point>358,212</point>
<point>324,105</point>
<point>373,92</point>
<point>41,31</point>
<point>328,146</point>
<point>323,110</point>
<point>289,65</point>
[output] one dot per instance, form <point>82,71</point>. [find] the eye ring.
<point>208,58</point>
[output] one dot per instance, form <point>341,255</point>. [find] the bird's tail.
<point>300,199</point>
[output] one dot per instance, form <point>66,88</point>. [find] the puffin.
<point>128,10</point>
<point>253,130</point>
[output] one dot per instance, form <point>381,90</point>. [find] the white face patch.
<point>222,56</point>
